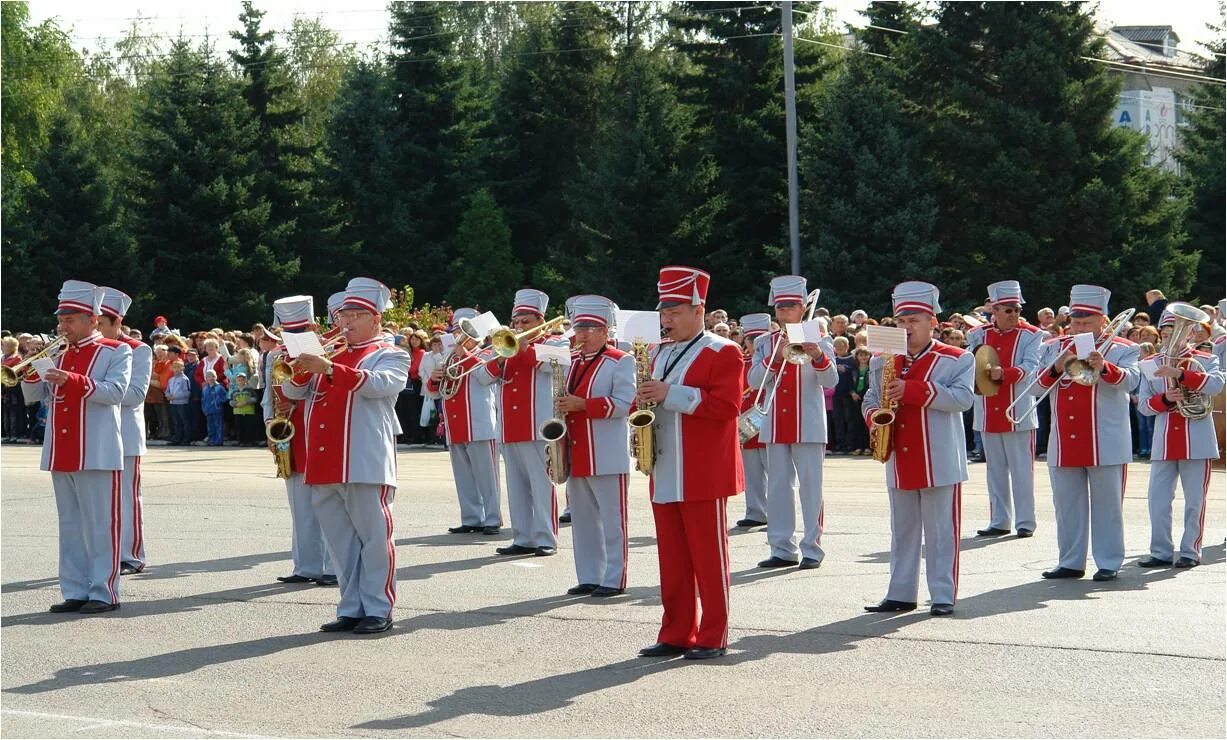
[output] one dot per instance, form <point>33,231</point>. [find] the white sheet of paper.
<point>485,323</point>
<point>795,333</point>
<point>42,365</point>
<point>1148,367</point>
<point>814,330</point>
<point>889,340</point>
<point>449,341</point>
<point>639,326</point>
<point>547,352</point>
<point>1084,344</point>
<point>302,343</point>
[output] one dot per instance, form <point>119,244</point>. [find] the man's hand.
<point>1096,361</point>
<point>1058,367</point>
<point>56,377</point>
<point>813,350</point>
<point>570,403</point>
<point>282,406</point>
<point>1173,394</point>
<point>1167,371</point>
<point>652,391</point>
<point>996,374</point>
<point>894,391</point>
<point>312,364</point>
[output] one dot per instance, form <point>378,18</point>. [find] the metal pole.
<point>790,129</point>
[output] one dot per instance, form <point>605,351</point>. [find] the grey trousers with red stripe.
<point>937,514</point>
<point>88,504</point>
<point>132,522</point>
<point>475,471</point>
<point>1085,499</point>
<point>357,523</point>
<point>754,460</point>
<point>1011,475</point>
<point>598,528</point>
<point>1194,476</point>
<point>531,499</point>
<point>785,464</point>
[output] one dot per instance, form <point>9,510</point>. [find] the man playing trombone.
<point>753,451</point>
<point>794,428</point>
<point>1089,445</point>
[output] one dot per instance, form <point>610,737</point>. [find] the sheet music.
<point>547,352</point>
<point>639,326</point>
<point>485,323</point>
<point>42,365</point>
<point>302,343</point>
<point>1084,344</point>
<point>890,340</point>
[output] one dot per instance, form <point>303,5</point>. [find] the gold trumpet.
<point>334,344</point>
<point>11,376</point>
<point>506,343</point>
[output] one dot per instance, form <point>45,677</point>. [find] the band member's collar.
<point>921,353</point>
<point>89,340</point>
<point>367,343</point>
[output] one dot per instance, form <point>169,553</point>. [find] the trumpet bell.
<point>8,378</point>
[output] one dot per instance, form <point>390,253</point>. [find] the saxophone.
<point>280,430</point>
<point>884,418</point>
<point>643,419</point>
<point>554,431</point>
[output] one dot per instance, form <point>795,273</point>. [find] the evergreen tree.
<point>197,219</point>
<point>1034,181</point>
<point>483,272</point>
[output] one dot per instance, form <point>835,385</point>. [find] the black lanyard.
<point>572,387</point>
<point>677,357</point>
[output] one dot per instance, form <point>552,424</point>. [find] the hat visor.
<point>66,311</point>
<point>671,304</point>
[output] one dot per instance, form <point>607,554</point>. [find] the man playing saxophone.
<point>928,460</point>
<point>600,387</point>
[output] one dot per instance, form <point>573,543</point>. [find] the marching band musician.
<point>307,552</point>
<point>696,387</point>
<point>83,449</point>
<point>1088,445</point>
<point>753,451</point>
<point>928,460</point>
<point>795,431</point>
<point>600,389</point>
<point>471,426</point>
<point>115,304</point>
<point>1009,448</point>
<point>526,400</point>
<point>1183,448</point>
<point>351,425</point>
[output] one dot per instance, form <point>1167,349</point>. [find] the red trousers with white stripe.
<point>693,546</point>
<point>88,504</point>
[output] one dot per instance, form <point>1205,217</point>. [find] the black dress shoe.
<point>582,589</point>
<point>1025,533</point>
<point>373,625</point>
<point>491,530</point>
<point>93,606</point>
<point>992,532</point>
<point>1153,562</point>
<point>1063,573</point>
<point>602,592</point>
<point>545,551</point>
<point>327,580</point>
<point>890,605</point>
<point>128,569</point>
<point>941,610</point>
<point>463,529</point>
<point>809,564</point>
<point>1186,563</point>
<point>703,653</point>
<point>342,624</point>
<point>661,650</point>
<point>67,605</point>
<point>564,519</point>
<point>750,523</point>
<point>295,579</point>
<point>514,550</point>
<point>1103,574</point>
<point>774,562</point>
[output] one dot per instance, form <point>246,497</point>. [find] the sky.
<point>365,21</point>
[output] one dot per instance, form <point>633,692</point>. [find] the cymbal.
<point>986,360</point>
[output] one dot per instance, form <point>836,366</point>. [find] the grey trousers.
<point>785,464</point>
<point>1011,470</point>
<point>1089,498</point>
<point>87,503</point>
<point>530,496</point>
<point>475,470</point>
<point>1194,476</point>
<point>598,528</point>
<point>755,463</point>
<point>357,522</point>
<point>937,514</point>
<point>307,537</point>
<point>131,527</point>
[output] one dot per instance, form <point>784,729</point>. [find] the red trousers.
<point>693,546</point>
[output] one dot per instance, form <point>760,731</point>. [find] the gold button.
<point>63,431</point>
<point>515,408</point>
<point>321,449</point>
<point>1071,418</point>
<point>905,449</point>
<point>321,426</point>
<point>1073,436</point>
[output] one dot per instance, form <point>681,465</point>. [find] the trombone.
<point>750,421</point>
<point>503,343</point>
<point>11,376</point>
<point>1076,370</point>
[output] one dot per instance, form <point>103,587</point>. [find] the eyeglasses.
<point>351,313</point>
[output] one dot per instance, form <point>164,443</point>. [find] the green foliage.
<point>483,273</point>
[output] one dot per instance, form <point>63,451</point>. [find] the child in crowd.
<point>213,401</point>
<point>178,393</point>
<point>859,444</point>
<point>1145,424</point>
<point>243,401</point>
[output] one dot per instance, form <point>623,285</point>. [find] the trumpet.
<point>501,343</point>
<point>333,343</point>
<point>11,376</point>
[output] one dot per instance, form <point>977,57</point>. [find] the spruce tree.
<point>483,272</point>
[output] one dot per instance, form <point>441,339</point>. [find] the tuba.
<point>1192,404</point>
<point>881,443</point>
<point>643,420</point>
<point>554,431</point>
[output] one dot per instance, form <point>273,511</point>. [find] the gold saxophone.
<point>884,418</point>
<point>643,419</point>
<point>280,430</point>
<point>554,432</point>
